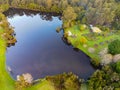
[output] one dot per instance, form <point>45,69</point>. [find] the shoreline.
<point>90,45</point>
<point>36,10</point>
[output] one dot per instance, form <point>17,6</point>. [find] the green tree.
<point>104,79</point>
<point>65,81</point>
<point>101,12</point>
<point>80,11</point>
<point>69,15</point>
<point>114,47</point>
<point>116,22</point>
<point>32,6</point>
<point>83,40</point>
<point>15,3</point>
<point>74,2</point>
<point>49,4</point>
<point>117,67</point>
<point>63,4</point>
<point>2,17</point>
<point>21,83</point>
<point>4,7</point>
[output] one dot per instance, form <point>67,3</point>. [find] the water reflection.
<point>40,50</point>
<point>44,16</point>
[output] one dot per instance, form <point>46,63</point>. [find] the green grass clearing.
<point>94,40</point>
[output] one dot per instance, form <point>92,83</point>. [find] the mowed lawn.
<point>43,85</point>
<point>6,82</point>
<point>96,41</point>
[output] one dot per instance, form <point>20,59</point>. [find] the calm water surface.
<point>41,51</point>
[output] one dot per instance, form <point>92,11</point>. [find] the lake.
<point>40,50</point>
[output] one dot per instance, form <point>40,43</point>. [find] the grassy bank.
<point>6,82</point>
<point>84,39</point>
<point>43,85</point>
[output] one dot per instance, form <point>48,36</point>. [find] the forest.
<point>95,12</point>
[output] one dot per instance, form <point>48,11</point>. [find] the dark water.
<point>40,50</point>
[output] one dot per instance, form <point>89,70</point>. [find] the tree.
<point>32,6</point>
<point>83,40</point>
<point>69,15</point>
<point>84,3</point>
<point>74,2</point>
<point>116,22</point>
<point>101,12</point>
<point>117,67</point>
<point>15,3</point>
<point>2,17</point>
<point>49,4</point>
<point>4,7</point>
<point>104,79</point>
<point>21,83</point>
<point>114,47</point>
<point>4,1</point>
<point>80,12</point>
<point>65,81</point>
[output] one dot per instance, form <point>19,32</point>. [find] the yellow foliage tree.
<point>83,40</point>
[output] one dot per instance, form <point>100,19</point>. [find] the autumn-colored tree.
<point>69,15</point>
<point>83,40</point>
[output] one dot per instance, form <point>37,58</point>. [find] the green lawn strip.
<point>90,43</point>
<point>6,82</point>
<point>43,85</point>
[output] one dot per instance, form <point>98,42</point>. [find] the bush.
<point>103,28</point>
<point>58,29</point>
<point>65,81</point>
<point>66,25</point>
<point>4,7</point>
<point>19,85</point>
<point>76,43</point>
<point>117,67</point>
<point>81,27</point>
<point>114,47</point>
<point>2,17</point>
<point>32,6</point>
<point>104,79</point>
<point>83,40</point>
<point>95,62</point>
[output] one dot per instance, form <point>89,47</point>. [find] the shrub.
<point>104,79</point>
<point>23,81</point>
<point>2,17</point>
<point>103,28</point>
<point>65,35</point>
<point>76,43</point>
<point>81,27</point>
<point>114,47</point>
<point>32,6</point>
<point>21,84</point>
<point>58,29</point>
<point>95,62</point>
<point>117,67</point>
<point>83,40</point>
<point>65,81</point>
<point>66,25</point>
<point>72,23</point>
<point>4,7</point>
